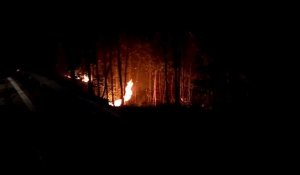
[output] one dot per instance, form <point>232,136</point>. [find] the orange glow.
<point>128,91</point>
<point>68,76</point>
<point>127,96</point>
<point>85,78</point>
<point>118,102</point>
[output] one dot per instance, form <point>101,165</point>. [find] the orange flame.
<point>68,76</point>
<point>127,96</point>
<point>85,78</point>
<point>128,91</point>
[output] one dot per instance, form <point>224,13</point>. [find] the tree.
<point>176,65</point>
<point>106,72</point>
<point>126,65</point>
<point>111,75</point>
<point>120,68</point>
<point>165,54</point>
<point>154,60</point>
<point>177,46</point>
<point>97,75</point>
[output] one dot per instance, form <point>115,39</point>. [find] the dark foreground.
<point>70,132</point>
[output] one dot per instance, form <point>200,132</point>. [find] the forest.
<point>142,68</point>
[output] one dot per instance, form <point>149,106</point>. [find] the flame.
<point>128,91</point>
<point>68,76</point>
<point>85,78</point>
<point>127,96</point>
<point>118,102</point>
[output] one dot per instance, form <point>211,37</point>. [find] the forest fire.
<point>68,76</point>
<point>168,68</point>
<point>127,96</point>
<point>85,78</point>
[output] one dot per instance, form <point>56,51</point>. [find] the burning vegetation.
<point>149,70</point>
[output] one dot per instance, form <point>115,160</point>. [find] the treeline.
<point>164,66</point>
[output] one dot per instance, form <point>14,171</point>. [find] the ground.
<point>70,131</point>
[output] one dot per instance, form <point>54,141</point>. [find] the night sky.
<point>32,44</point>
<point>31,48</point>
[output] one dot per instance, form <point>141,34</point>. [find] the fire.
<point>127,96</point>
<point>117,102</point>
<point>85,78</point>
<point>128,91</point>
<point>68,76</point>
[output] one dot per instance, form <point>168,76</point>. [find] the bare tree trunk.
<point>98,78</point>
<point>160,85</point>
<point>106,72</point>
<point>136,83</point>
<point>135,92</point>
<point>90,84</point>
<point>176,87</point>
<point>189,84</point>
<point>105,91</point>
<point>154,88</point>
<point>116,83</point>
<point>177,66</point>
<point>171,88</point>
<point>125,67</point>
<point>167,98</point>
<point>120,71</point>
<point>149,88</point>
<point>182,85</point>
<point>112,76</point>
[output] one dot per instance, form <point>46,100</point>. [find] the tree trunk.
<point>149,94</point>
<point>154,88</point>
<point>98,78</point>
<point>106,72</point>
<point>90,84</point>
<point>177,66</point>
<point>125,67</point>
<point>112,76</point>
<point>182,85</point>
<point>172,89</point>
<point>136,85</point>
<point>189,84</point>
<point>160,97</point>
<point>167,98</point>
<point>106,85</point>
<point>120,71</point>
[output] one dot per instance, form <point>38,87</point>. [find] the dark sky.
<point>34,46</point>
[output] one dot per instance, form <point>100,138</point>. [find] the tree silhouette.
<point>166,67</point>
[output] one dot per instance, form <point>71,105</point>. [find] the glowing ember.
<point>127,96</point>
<point>68,76</point>
<point>85,78</point>
<point>118,102</point>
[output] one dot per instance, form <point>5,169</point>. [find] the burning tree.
<point>161,67</point>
